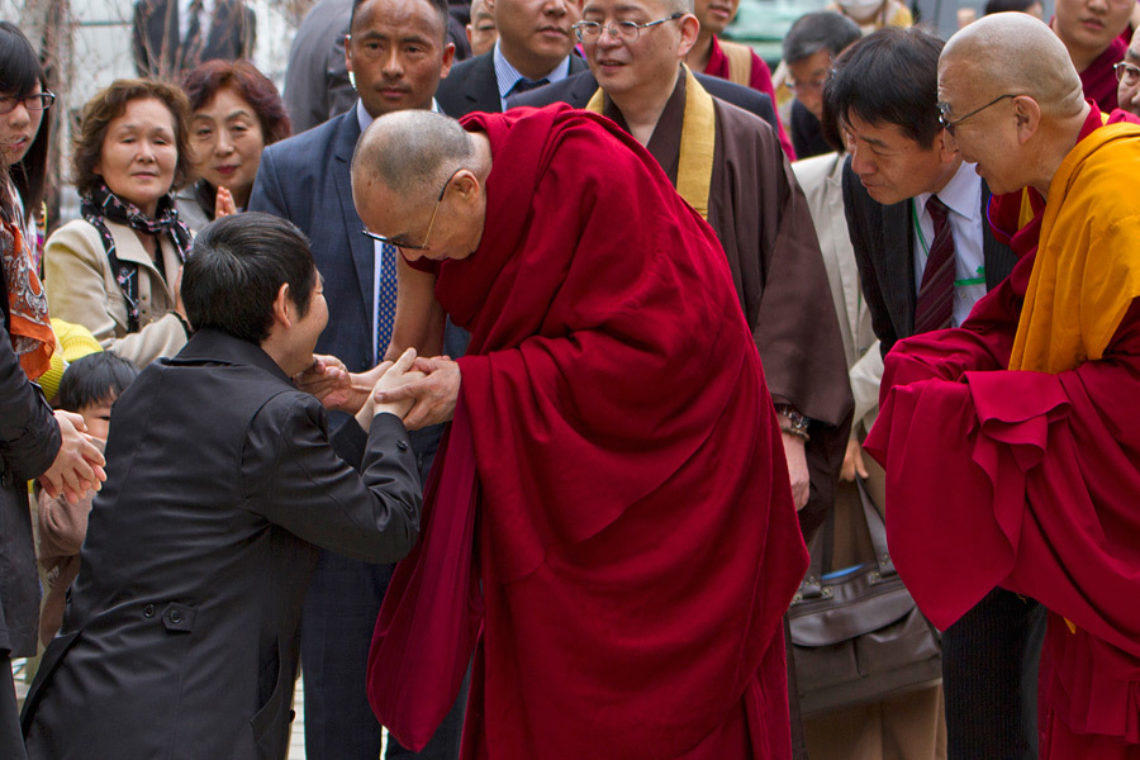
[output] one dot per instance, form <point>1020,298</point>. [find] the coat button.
<point>148,611</point>
<point>402,445</point>
<point>175,616</point>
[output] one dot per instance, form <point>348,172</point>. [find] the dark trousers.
<point>989,677</point>
<point>340,612</point>
<point>11,738</point>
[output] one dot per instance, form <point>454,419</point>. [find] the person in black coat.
<point>34,443</point>
<point>169,37</point>
<point>180,636</point>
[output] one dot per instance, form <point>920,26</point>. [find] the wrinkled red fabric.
<point>1098,80</point>
<point>636,543</point>
<point>1033,489</point>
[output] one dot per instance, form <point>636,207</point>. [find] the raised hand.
<point>78,466</point>
<point>431,398</point>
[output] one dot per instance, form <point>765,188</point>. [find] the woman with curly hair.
<point>116,270</point>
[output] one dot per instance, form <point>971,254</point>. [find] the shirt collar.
<point>508,76</point>
<point>364,119</point>
<point>962,194</point>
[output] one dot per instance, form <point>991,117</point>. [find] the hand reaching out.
<point>334,386</point>
<point>78,466</point>
<point>431,397</point>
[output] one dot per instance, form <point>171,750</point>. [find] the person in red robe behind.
<point>1030,411</point>
<point>609,525</point>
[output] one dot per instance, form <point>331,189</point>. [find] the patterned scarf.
<point>29,328</point>
<point>102,205</point>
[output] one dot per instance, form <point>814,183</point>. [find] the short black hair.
<point>441,7</point>
<point>891,76</point>
<point>97,378</point>
<point>20,71</point>
<point>1003,6</point>
<point>236,267</point>
<point>824,30</point>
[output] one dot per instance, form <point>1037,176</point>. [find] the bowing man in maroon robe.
<point>1010,443</point>
<point>611,530</point>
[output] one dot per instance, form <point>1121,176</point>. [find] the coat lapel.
<point>482,89</point>
<point>363,256</point>
<point>898,266</point>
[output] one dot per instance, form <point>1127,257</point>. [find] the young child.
<point>89,387</point>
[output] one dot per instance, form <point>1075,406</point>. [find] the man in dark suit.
<point>579,88</point>
<point>397,53</point>
<point>173,36</point>
<point>180,636</point>
<point>533,49</point>
<point>917,218</point>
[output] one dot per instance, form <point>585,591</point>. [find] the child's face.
<point>98,418</point>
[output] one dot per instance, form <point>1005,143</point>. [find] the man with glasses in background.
<point>1030,407</point>
<point>1128,78</point>
<point>916,216</point>
<point>728,165</point>
<point>813,42</point>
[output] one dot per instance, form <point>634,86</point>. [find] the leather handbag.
<point>857,636</point>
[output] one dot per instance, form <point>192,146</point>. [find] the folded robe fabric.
<point>635,542</point>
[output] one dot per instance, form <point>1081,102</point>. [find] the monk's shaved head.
<point>410,150</point>
<point>1015,53</point>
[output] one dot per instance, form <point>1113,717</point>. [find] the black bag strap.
<point>877,528</point>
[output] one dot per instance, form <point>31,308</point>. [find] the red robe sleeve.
<point>1033,489</point>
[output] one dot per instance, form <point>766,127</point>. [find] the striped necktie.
<point>935,305</point>
<point>385,299</point>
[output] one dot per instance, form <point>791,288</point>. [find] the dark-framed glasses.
<point>1127,73</point>
<point>36,101</point>
<point>590,31</point>
<point>950,124</point>
<point>398,241</point>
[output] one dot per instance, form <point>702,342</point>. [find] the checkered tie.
<point>385,299</point>
<point>935,305</point>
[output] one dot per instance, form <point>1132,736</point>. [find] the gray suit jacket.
<point>180,636</point>
<point>579,88</point>
<point>883,238</point>
<point>316,80</point>
<point>472,86</point>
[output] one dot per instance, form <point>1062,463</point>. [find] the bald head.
<point>409,151</point>
<point>1014,53</point>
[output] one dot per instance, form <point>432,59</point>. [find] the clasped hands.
<point>78,465</point>
<point>420,390</point>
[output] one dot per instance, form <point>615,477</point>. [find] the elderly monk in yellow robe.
<point>1031,409</point>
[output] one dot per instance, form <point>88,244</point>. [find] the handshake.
<point>420,391</point>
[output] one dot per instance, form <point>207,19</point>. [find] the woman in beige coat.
<point>116,270</point>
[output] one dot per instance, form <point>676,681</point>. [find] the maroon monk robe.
<point>1042,500</point>
<point>636,545</point>
<point>762,220</point>
<point>1098,80</point>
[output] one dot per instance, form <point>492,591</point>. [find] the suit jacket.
<point>158,48</point>
<point>180,636</point>
<point>472,86</point>
<point>307,180</point>
<point>579,88</point>
<point>883,238</point>
<point>316,80</point>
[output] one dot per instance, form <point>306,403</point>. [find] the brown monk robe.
<point>761,217</point>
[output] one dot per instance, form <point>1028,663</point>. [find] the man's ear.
<point>690,30</point>
<point>284,310</point>
<point>1027,111</point>
<point>947,148</point>
<point>467,184</point>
